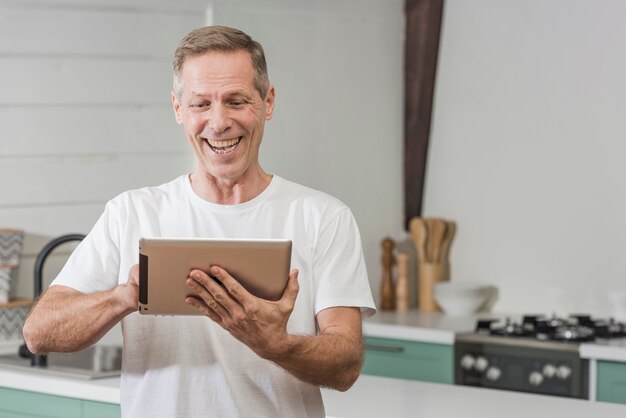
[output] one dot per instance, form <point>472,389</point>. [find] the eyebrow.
<point>228,94</point>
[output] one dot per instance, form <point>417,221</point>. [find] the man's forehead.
<point>241,58</point>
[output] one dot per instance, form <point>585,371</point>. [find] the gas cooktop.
<point>574,328</point>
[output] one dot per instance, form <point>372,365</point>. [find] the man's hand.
<point>258,323</point>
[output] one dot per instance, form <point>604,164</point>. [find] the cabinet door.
<point>409,360</point>
<point>101,410</point>
<point>611,382</point>
<point>22,404</point>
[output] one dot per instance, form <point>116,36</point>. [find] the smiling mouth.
<point>223,146</point>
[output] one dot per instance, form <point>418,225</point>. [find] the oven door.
<point>524,369</point>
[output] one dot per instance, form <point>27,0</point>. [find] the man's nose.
<point>219,118</point>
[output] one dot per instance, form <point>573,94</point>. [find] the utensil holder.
<point>428,275</point>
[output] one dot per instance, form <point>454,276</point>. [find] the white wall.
<point>527,151</point>
<point>84,111</point>
<point>338,70</point>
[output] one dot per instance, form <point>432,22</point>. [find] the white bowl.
<point>462,287</point>
<point>461,298</point>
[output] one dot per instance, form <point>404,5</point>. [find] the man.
<point>243,356</point>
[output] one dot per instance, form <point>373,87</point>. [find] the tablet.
<point>260,265</point>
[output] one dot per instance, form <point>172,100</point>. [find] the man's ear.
<point>269,103</point>
<point>177,110</point>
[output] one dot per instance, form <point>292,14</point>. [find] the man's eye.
<point>200,105</point>
<point>236,103</point>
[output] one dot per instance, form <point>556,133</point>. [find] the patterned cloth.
<point>10,252</point>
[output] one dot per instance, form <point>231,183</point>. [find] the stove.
<point>538,354</point>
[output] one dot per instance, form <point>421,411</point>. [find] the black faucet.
<point>41,360</point>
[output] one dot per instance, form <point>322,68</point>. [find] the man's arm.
<point>66,320</point>
<point>332,359</point>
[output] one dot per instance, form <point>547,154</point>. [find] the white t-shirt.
<point>189,366</point>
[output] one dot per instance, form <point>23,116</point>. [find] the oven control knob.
<point>493,373</point>
<point>563,372</point>
<point>535,378</point>
<point>481,364</point>
<point>467,362</point>
<point>549,370</point>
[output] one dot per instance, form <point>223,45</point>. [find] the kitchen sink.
<point>95,362</point>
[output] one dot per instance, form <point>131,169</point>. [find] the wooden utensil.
<point>387,291</point>
<point>419,234</point>
<point>403,298</point>
<point>447,241</point>
<point>436,229</point>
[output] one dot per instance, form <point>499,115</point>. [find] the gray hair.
<point>225,39</point>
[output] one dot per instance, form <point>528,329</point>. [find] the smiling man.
<point>241,356</point>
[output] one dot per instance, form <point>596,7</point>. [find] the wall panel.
<point>95,81</point>
<point>92,32</point>
<point>85,129</point>
<point>88,179</point>
<point>185,7</point>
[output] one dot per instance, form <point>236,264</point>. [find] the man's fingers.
<point>210,292</point>
<point>204,308</point>
<point>232,286</point>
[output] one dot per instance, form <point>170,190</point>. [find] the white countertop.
<point>101,390</point>
<point>370,397</point>
<point>431,327</point>
<point>610,350</point>
<point>375,397</point>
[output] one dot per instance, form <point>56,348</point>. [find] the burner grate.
<point>574,328</point>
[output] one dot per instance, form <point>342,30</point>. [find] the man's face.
<point>222,113</point>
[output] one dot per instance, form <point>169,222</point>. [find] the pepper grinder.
<point>388,296</point>
<point>403,298</point>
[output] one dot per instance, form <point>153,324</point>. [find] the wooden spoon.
<point>436,229</point>
<point>419,234</point>
<point>447,241</point>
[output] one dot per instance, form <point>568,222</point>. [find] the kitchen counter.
<point>370,397</point>
<point>610,350</point>
<point>100,390</point>
<point>383,397</point>
<point>428,327</point>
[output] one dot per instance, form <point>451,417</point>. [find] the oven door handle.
<point>385,348</point>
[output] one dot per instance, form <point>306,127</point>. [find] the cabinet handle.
<point>386,348</point>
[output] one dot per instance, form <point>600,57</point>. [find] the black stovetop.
<point>573,328</point>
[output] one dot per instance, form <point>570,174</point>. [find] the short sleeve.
<point>339,269</point>
<point>94,264</point>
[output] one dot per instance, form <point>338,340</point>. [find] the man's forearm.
<point>65,320</point>
<point>329,360</point>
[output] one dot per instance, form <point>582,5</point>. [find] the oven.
<point>539,355</point>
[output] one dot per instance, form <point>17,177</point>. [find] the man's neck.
<point>229,192</point>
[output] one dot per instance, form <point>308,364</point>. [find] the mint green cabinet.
<point>18,403</point>
<point>611,382</point>
<point>23,404</point>
<point>93,409</point>
<point>409,360</point>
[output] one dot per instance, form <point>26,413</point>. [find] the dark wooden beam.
<point>423,25</point>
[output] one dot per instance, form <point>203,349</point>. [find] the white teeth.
<point>223,144</point>
<point>223,147</point>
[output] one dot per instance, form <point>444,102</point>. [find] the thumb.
<point>292,289</point>
<point>133,275</point>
